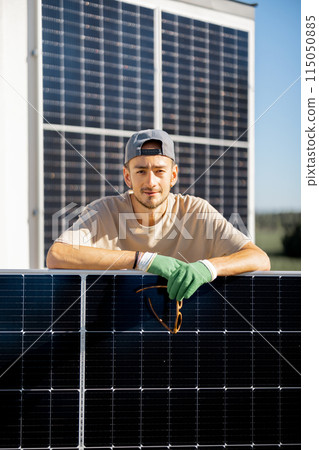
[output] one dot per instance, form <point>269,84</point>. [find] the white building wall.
<point>14,200</point>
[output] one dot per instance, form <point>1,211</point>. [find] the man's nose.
<point>151,178</point>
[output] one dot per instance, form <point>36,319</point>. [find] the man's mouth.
<point>151,193</point>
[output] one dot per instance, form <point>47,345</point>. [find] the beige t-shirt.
<point>191,229</point>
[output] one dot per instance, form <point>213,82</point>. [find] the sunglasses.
<point>179,317</point>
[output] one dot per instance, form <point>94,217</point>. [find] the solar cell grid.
<point>37,362</point>
<point>266,362</point>
<point>238,360</point>
<point>11,348</point>
<point>11,312</point>
<point>212,383</point>
<point>98,418</point>
<point>266,416</point>
<point>211,360</point>
<point>10,413</point>
<point>290,347</point>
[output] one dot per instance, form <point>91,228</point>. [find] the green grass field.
<point>270,240</point>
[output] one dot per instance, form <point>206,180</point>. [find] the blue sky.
<point>277,133</point>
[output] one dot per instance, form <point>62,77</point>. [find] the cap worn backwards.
<point>135,143</point>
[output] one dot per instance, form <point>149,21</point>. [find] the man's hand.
<point>187,279</point>
<point>165,266</point>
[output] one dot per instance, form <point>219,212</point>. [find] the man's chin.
<point>151,203</point>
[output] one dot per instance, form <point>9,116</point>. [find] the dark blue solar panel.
<point>98,418</point>
<point>155,360</point>
<point>212,360</point>
<point>266,303</point>
<point>238,293</point>
<point>127,360</point>
<point>290,400</point>
<point>99,357</point>
<point>290,348</point>
<point>266,362</point>
<point>211,416</point>
<point>155,421</point>
<point>238,416</point>
<point>36,414</point>
<point>128,317</point>
<point>38,292</point>
<point>131,383</point>
<point>239,359</point>
<point>11,349</point>
<point>65,360</point>
<point>126,417</point>
<point>66,303</point>
<point>10,413</point>
<point>183,356</point>
<point>183,416</point>
<point>11,302</point>
<point>64,418</point>
<point>290,307</point>
<point>100,303</point>
<point>266,416</point>
<point>37,361</point>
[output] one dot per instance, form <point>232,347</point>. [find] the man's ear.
<point>174,175</point>
<point>127,177</point>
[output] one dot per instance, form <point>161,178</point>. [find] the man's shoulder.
<point>191,203</point>
<point>110,202</point>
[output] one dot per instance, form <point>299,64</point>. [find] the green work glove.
<point>187,279</point>
<point>165,266</point>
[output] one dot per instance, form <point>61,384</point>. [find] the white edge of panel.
<point>197,13</point>
<point>128,133</point>
<point>40,137</point>
<point>35,124</point>
<point>251,134</point>
<point>158,90</point>
<point>272,273</point>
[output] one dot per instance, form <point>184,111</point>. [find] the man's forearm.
<point>64,256</point>
<point>248,259</point>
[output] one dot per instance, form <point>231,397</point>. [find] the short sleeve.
<point>83,232</point>
<point>226,238</point>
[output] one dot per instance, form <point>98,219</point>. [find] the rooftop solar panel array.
<point>84,364</point>
<point>99,76</point>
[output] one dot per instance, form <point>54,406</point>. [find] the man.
<point>181,238</point>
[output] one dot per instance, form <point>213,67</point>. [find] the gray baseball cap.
<point>134,145</point>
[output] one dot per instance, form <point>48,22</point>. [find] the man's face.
<point>150,177</point>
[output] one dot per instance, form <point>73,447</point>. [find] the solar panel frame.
<point>181,388</point>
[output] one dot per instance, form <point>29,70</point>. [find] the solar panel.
<point>84,363</point>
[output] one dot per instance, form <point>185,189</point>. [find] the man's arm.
<point>186,279</point>
<point>65,256</point>
<point>248,259</point>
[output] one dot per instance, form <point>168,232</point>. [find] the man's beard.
<point>152,206</point>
